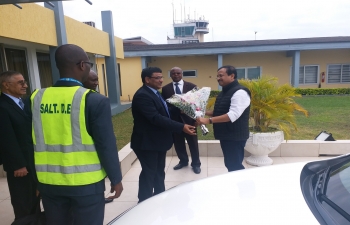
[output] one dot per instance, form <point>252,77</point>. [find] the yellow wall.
<point>274,64</point>
<point>32,23</point>
<point>119,48</point>
<point>323,58</point>
<point>92,40</point>
<point>130,71</point>
<point>206,67</point>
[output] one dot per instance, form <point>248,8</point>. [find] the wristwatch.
<point>210,121</point>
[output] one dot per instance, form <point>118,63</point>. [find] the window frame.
<point>186,71</point>
<point>246,71</point>
<point>317,74</point>
<point>341,72</point>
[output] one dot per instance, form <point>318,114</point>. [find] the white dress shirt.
<point>239,102</point>
<point>181,86</point>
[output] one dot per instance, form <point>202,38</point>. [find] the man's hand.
<point>201,120</point>
<point>191,130</point>
<point>21,172</point>
<point>118,189</point>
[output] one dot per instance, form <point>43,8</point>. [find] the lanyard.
<point>71,79</point>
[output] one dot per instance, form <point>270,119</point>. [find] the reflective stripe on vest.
<point>74,160</point>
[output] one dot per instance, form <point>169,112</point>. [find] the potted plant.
<point>271,116</point>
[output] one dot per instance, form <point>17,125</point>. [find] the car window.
<point>337,191</point>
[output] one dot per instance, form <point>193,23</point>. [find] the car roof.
<point>266,195</point>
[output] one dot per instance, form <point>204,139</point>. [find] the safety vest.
<point>65,153</point>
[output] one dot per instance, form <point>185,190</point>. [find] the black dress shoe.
<point>179,166</point>
<point>196,170</point>
<point>108,200</point>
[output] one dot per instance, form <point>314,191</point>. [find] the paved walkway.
<point>211,166</point>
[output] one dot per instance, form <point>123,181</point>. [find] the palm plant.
<point>272,106</point>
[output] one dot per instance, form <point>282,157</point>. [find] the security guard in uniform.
<point>75,146</point>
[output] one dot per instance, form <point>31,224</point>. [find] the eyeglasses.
<point>90,63</point>
<point>157,78</point>
<point>220,76</point>
<point>21,82</point>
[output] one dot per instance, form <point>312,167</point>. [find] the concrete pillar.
<point>33,68</point>
<point>295,68</point>
<point>220,59</point>
<point>60,33</point>
<point>144,62</point>
<point>111,63</point>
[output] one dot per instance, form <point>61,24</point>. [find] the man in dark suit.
<point>16,144</point>
<point>77,198</point>
<point>152,132</point>
<point>179,86</point>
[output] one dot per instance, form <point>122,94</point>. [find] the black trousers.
<point>77,210</point>
<point>233,154</point>
<point>151,180</point>
<point>180,148</point>
<point>23,193</point>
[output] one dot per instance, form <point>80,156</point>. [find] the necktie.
<point>164,103</point>
<point>177,89</point>
<point>21,103</point>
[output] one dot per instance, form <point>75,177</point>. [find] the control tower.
<point>189,31</point>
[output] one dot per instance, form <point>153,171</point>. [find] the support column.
<point>144,62</point>
<point>60,33</point>
<point>220,65</point>
<point>111,63</point>
<point>295,68</point>
<point>33,69</point>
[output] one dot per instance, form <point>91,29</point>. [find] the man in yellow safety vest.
<point>74,142</point>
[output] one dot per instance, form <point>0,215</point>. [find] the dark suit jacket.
<point>100,128</point>
<point>152,126</point>
<point>175,113</point>
<point>15,136</point>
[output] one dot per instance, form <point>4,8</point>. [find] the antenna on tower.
<point>173,13</point>
<point>181,11</point>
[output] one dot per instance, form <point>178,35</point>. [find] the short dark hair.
<point>230,70</point>
<point>147,72</point>
<point>5,76</point>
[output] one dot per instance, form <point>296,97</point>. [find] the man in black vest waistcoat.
<point>230,117</point>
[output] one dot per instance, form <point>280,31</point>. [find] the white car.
<point>266,195</point>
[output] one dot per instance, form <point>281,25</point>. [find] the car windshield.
<point>337,193</point>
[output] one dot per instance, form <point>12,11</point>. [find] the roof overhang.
<point>3,2</point>
<point>239,49</point>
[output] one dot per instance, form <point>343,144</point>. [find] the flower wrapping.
<point>192,103</point>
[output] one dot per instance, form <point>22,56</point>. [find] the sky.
<point>229,20</point>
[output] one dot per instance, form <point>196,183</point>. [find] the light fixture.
<point>324,136</point>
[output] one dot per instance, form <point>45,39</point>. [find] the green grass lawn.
<point>330,113</point>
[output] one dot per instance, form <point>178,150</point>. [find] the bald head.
<point>176,74</point>
<point>92,81</point>
<point>70,61</point>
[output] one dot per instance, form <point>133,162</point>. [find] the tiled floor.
<point>211,166</point>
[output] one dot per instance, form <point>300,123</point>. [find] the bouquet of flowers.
<point>192,103</point>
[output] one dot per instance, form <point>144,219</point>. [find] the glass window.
<point>45,72</point>
<point>240,73</point>
<point>308,74</point>
<point>337,194</point>
<point>16,60</point>
<point>339,73</point>
<point>248,73</point>
<point>189,73</point>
